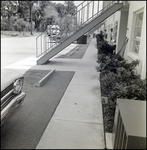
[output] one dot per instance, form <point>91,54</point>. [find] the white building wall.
<point>122,32</point>
<point>125,29</point>
<point>122,18</point>
<point>109,23</point>
<point>129,55</point>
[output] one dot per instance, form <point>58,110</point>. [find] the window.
<point>137,31</point>
<point>115,31</point>
<point>109,32</point>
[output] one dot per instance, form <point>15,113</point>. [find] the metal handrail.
<point>79,24</point>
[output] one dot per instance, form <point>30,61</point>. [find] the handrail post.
<point>41,43</point>
<point>93,9</point>
<point>98,7</point>
<point>81,14</point>
<point>87,10</point>
<point>44,38</point>
<point>75,16</point>
<point>36,48</point>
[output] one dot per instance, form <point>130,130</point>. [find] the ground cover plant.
<point>117,79</point>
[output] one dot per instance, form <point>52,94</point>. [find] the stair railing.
<point>83,14</point>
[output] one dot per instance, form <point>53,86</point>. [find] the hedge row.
<point>117,77</point>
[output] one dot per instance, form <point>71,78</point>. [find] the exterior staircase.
<point>88,16</point>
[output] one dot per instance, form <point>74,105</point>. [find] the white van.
<point>53,30</point>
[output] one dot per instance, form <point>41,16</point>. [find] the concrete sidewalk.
<point>77,122</point>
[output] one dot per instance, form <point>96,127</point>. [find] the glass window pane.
<point>115,31</point>
<point>139,19</point>
<point>136,46</point>
<point>137,33</point>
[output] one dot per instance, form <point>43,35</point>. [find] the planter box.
<point>129,130</point>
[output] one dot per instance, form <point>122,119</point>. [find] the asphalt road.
<point>16,49</point>
<point>25,126</point>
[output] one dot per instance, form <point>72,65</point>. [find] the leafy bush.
<point>4,24</point>
<point>117,75</point>
<point>100,37</point>
<point>19,24</point>
<point>117,79</point>
<point>103,46</point>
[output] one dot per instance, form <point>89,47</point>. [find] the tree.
<point>68,20</point>
<point>44,13</point>
<point>36,18</point>
<point>67,24</point>
<point>20,24</point>
<point>8,9</point>
<point>38,14</point>
<point>70,7</point>
<point>4,24</point>
<point>51,14</point>
<point>61,9</point>
<point>16,14</point>
<point>30,7</point>
<point>22,10</point>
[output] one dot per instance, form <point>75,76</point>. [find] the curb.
<point>45,78</point>
<point>73,50</point>
<point>109,144</point>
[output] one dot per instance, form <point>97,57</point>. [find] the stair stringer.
<point>104,15</point>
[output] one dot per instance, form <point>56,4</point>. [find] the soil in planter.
<point>108,115</point>
<point>108,112</point>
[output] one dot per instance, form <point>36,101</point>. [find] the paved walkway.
<point>77,122</point>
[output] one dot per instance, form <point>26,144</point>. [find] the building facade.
<point>128,23</point>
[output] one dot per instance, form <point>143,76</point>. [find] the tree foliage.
<point>70,7</point>
<point>8,10</point>
<point>29,15</point>
<point>61,9</point>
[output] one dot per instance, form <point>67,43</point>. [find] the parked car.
<point>11,92</point>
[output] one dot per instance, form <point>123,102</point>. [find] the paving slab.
<point>82,104</point>
<point>109,144</point>
<point>72,135</point>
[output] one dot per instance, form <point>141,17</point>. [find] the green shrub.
<point>4,24</point>
<point>118,80</point>
<point>19,24</point>
<point>103,46</point>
